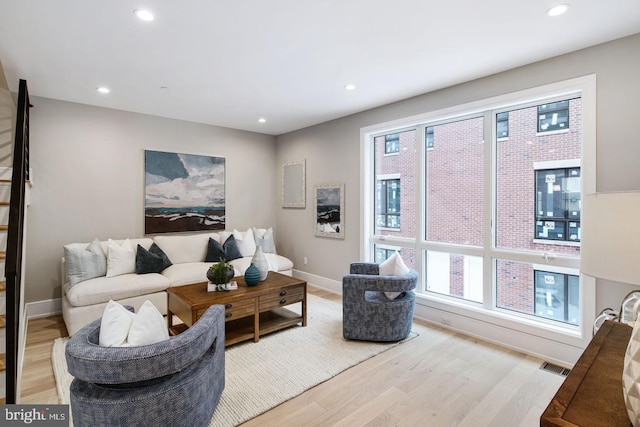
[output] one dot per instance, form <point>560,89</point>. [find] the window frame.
<point>487,321</point>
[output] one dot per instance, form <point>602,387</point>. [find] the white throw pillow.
<point>245,241</point>
<point>115,325</point>
<point>121,328</point>
<point>393,266</point>
<point>121,259</point>
<point>148,326</point>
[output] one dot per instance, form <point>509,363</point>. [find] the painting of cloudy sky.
<point>183,192</point>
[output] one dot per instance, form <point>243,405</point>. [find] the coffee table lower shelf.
<point>242,329</point>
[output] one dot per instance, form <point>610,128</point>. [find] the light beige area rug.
<point>282,365</point>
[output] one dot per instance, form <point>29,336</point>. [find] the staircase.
<point>13,203</point>
<point>4,209</point>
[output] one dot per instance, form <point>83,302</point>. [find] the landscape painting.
<point>329,210</point>
<point>183,192</point>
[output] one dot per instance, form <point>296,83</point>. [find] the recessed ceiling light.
<point>558,10</point>
<point>145,15</point>
<point>262,120</point>
<point>350,86</point>
<point>103,89</point>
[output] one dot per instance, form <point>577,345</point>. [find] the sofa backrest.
<point>181,249</point>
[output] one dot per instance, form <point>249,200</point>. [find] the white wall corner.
<point>45,308</point>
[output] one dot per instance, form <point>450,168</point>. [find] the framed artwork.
<point>293,185</point>
<point>183,192</point>
<point>329,210</point>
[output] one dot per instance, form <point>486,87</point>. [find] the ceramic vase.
<point>631,376</point>
<point>252,275</point>
<point>260,261</point>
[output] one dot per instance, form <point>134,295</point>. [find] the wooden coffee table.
<point>250,311</point>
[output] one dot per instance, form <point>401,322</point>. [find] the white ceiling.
<point>227,63</point>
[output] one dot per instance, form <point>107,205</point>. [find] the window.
<point>429,137</point>
<point>392,143</point>
<point>474,207</point>
<point>382,254</point>
<point>553,116</point>
<point>388,206</point>
<point>557,296</point>
<point>558,204</point>
<point>502,125</point>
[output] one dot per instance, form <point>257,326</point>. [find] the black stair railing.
<point>13,264</point>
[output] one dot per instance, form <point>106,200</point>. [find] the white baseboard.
<point>551,351</point>
<point>43,308</point>
<point>329,285</point>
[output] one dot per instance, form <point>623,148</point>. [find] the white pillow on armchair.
<point>393,266</point>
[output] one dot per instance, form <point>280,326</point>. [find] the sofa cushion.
<point>274,263</point>
<point>181,249</point>
<point>102,289</point>
<point>153,260</point>
<point>187,273</point>
<point>84,262</point>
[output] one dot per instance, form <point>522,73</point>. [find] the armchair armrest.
<point>359,283</point>
<point>90,362</point>
<point>364,268</point>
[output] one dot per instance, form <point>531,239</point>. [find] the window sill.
<point>557,242</point>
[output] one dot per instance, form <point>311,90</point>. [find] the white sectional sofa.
<point>87,289</point>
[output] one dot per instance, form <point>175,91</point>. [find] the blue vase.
<point>252,275</point>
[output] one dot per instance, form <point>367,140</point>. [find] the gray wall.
<point>332,149</point>
<point>88,173</point>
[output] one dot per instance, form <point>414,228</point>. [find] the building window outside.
<point>388,203</point>
<point>557,296</point>
<point>383,253</point>
<point>557,195</point>
<point>392,143</point>
<point>428,136</point>
<point>553,116</point>
<point>502,125</point>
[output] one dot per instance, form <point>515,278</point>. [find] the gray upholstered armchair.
<point>368,314</point>
<point>177,382</point>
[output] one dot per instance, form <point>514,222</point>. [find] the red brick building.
<point>537,195</point>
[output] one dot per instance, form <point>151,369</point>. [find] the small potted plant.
<point>220,273</point>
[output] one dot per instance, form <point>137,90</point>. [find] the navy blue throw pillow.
<point>153,260</point>
<point>215,251</point>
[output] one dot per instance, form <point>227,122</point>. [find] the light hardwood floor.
<point>439,378</point>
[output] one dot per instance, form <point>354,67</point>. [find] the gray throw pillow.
<point>265,240</point>
<point>85,264</point>
<point>153,260</point>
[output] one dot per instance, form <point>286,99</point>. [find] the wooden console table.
<point>592,393</point>
<point>249,311</point>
